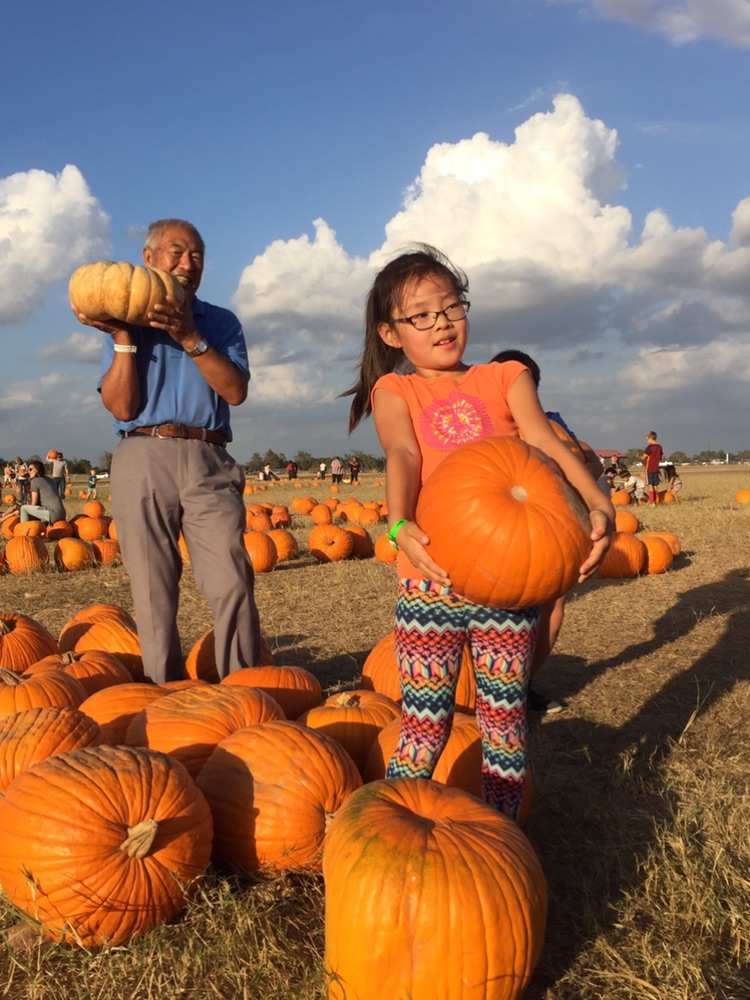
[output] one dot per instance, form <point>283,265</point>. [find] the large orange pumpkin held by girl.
<point>504,524</point>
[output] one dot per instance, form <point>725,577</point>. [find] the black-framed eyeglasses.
<point>426,320</point>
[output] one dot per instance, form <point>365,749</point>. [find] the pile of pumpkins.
<point>634,552</point>
<point>88,539</point>
<point>115,793</point>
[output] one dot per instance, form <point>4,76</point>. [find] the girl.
<point>417,314</point>
<point>674,483</point>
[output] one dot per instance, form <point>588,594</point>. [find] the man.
<point>169,387</point>
<point>651,459</point>
<point>60,473</point>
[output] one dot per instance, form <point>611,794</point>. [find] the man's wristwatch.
<point>200,348</point>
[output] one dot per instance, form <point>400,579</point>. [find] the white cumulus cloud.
<point>49,223</point>
<point>79,346</point>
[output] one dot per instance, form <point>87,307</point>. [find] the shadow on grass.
<point>604,796</point>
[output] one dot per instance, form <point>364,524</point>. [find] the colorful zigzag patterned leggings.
<point>432,626</point>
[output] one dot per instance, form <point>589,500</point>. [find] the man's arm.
<point>119,388</point>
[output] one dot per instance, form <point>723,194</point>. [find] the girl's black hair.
<point>524,359</point>
<point>377,357</point>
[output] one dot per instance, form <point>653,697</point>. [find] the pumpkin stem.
<point>6,627</point>
<point>140,839</point>
<point>349,700</point>
<point>519,493</point>
<point>329,819</point>
<point>67,658</point>
<point>9,678</point>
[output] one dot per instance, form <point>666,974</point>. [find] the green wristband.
<point>395,530</point>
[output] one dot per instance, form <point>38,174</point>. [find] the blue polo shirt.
<point>171,388</point>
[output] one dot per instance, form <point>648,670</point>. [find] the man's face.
<point>180,253</point>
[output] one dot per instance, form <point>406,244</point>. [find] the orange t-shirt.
<point>453,409</point>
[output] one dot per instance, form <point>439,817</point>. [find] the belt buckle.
<point>180,430</point>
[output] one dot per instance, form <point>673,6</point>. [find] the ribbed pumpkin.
<point>8,524</point>
<point>189,724</point>
<point>294,688</point>
<point>380,673</point>
<point>52,689</point>
<point>504,524</point>
<point>261,550</point>
<point>625,557</point>
<point>107,627</point>
<point>73,555</point>
<point>114,708</point>
<point>23,641</point>
<point>26,555</point>
<point>89,528</point>
<point>201,660</point>
<point>258,522</point>
<point>303,505</point>
<point>280,517</point>
<point>29,529</point>
<point>620,498</point>
<point>369,517</point>
<point>466,886</point>
<point>626,522</point>
<point>363,547</point>
<point>26,738</point>
<point>106,551</point>
<point>93,508</point>
<point>107,290</point>
<point>671,539</point>
<point>58,530</point>
<point>272,789</point>
<point>384,551</point>
<point>659,556</point>
<point>321,514</point>
<point>353,719</point>
<point>330,544</point>
<point>285,544</point>
<point>102,844</point>
<point>186,682</point>
<point>94,669</point>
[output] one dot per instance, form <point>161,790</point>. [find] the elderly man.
<point>169,387</point>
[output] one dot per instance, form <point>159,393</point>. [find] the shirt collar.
<point>199,307</point>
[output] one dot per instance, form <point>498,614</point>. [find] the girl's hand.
<point>411,541</point>
<point>602,527</point>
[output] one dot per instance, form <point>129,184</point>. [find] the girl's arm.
<point>534,428</point>
<point>403,474</point>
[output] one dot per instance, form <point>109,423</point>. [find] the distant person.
<point>673,481</point>
<point>322,470</point>
<point>633,485</point>
<point>337,470</point>
<point>9,476</point>
<point>651,458</point>
<point>60,473</point>
<point>45,503</point>
<point>354,469</point>
<point>268,472</point>
<point>22,480</point>
<point>291,470</point>
<point>91,484</point>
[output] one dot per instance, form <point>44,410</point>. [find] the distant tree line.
<point>306,462</point>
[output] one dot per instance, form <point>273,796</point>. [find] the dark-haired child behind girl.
<point>417,311</point>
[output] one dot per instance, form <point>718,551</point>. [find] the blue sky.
<point>253,120</point>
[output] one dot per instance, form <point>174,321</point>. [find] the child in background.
<point>91,484</point>
<point>674,483</point>
<point>651,458</point>
<point>417,311</point>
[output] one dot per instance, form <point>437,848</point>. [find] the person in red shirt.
<point>652,457</point>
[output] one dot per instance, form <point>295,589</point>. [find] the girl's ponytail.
<point>377,357</point>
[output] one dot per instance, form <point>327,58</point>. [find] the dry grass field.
<point>642,808</point>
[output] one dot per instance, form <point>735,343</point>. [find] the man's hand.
<point>115,330</point>
<point>176,321</point>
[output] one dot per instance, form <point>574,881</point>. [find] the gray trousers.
<point>160,487</point>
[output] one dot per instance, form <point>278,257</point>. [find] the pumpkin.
<point>272,789</point>
<point>285,544</point>
<point>261,551</point>
<point>367,517</point>
<point>106,290</point>
<point>332,503</point>
<point>303,505</point>
<point>112,531</point>
<point>659,556</point>
<point>38,733</point>
<point>29,529</point>
<point>330,544</point>
<point>23,641</point>
<point>8,523</point>
<point>672,540</point>
<point>620,498</point>
<point>73,555</point>
<point>280,517</point>
<point>9,499</point>
<point>201,660</point>
<point>26,555</point>
<point>462,880</point>
<point>625,557</point>
<point>101,844</point>
<point>50,689</point>
<point>106,551</point>
<point>321,514</point>
<point>187,682</point>
<point>93,508</point>
<point>58,530</point>
<point>353,719</point>
<point>625,521</point>
<point>107,627</point>
<point>94,669</point>
<point>504,524</point>
<point>380,673</point>
<point>742,497</point>
<point>294,688</point>
<point>89,528</point>
<point>190,723</point>
<point>669,497</point>
<point>363,547</point>
<point>258,522</point>
<point>114,708</point>
<point>384,551</point>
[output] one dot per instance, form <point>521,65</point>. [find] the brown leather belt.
<point>179,431</point>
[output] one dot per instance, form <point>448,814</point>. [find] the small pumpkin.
<point>625,557</point>
<point>330,544</point>
<point>26,555</point>
<point>89,528</point>
<point>58,530</point>
<point>93,669</point>
<point>106,290</point>
<point>73,555</point>
<point>29,529</point>
<point>353,719</point>
<point>23,641</point>
<point>363,547</point>
<point>285,544</point>
<point>261,551</point>
<point>659,556</point>
<point>626,522</point>
<point>106,551</point>
<point>93,508</point>
<point>321,514</point>
<point>384,551</point>
<point>742,497</point>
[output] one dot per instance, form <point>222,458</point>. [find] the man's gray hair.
<point>156,230</point>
